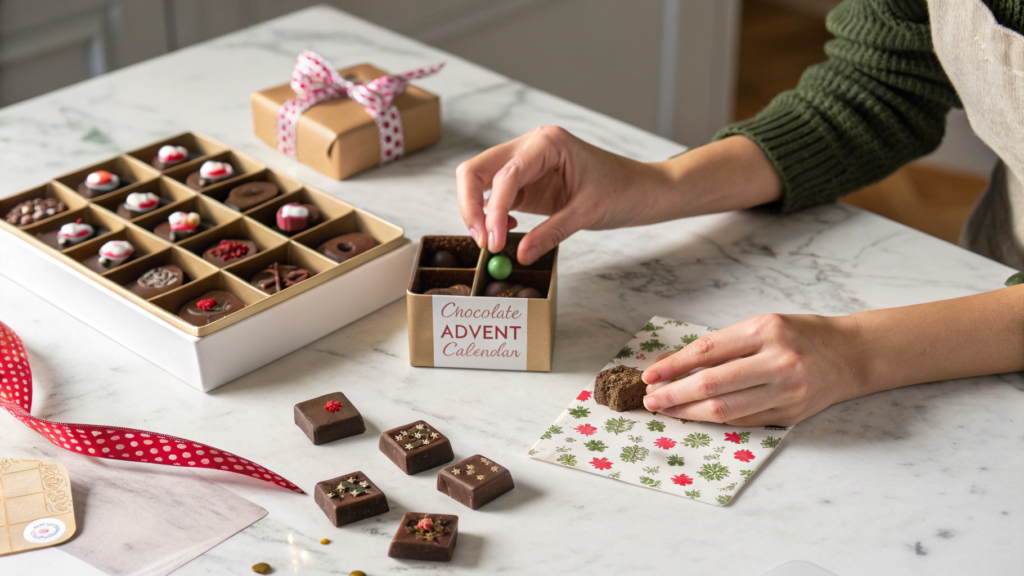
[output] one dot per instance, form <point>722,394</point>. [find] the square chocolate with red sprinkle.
<point>328,418</point>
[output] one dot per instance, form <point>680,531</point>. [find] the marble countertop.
<point>919,480</point>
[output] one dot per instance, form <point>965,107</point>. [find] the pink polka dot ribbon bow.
<point>315,80</point>
<point>108,441</point>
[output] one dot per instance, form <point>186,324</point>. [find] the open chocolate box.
<point>238,250</point>
<point>502,332</point>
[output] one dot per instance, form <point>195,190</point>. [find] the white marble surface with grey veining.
<point>924,480</point>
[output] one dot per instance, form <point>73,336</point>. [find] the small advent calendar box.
<point>462,317</point>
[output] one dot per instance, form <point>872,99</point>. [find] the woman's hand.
<point>582,187</point>
<point>767,370</point>
<point>550,171</point>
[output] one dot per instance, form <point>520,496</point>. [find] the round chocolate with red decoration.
<point>210,307</point>
<point>228,252</point>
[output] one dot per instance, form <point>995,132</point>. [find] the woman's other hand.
<point>767,370</point>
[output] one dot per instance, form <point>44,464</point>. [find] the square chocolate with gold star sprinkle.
<point>475,481</point>
<point>416,447</point>
<point>349,498</point>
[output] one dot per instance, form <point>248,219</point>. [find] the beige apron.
<point>985,63</point>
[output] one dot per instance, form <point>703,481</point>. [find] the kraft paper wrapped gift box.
<point>477,331</point>
<point>338,137</point>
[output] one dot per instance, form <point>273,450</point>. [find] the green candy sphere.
<point>499,267</point>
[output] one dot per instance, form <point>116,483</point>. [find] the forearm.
<point>970,336</point>
<point>729,174</point>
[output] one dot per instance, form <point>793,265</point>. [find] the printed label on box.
<point>485,333</point>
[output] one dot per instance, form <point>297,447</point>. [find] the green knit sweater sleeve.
<point>878,102</point>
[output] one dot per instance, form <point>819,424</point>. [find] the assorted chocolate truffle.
<point>475,481</point>
<point>74,233</point>
<point>449,252</point>
<point>293,218</point>
<point>620,388</point>
<point>209,173</point>
<point>277,277</point>
<point>423,536</point>
<point>349,498</point>
<point>32,211</point>
<point>181,225</point>
<point>347,246</point>
<point>250,195</point>
<point>442,259</point>
<point>99,183</point>
<point>137,204</point>
<point>456,290</point>
<point>328,418</point>
<point>169,156</point>
<point>416,447</point>
<point>502,289</point>
<point>228,252</point>
<point>157,281</point>
<point>210,307</point>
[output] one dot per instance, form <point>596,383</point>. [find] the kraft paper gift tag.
<point>697,460</point>
<point>134,519</point>
<point>36,509</point>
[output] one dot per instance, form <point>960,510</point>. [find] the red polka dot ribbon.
<point>315,80</point>
<point>109,441</point>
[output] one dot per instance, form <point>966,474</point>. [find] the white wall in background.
<point>47,44</point>
<point>674,75</point>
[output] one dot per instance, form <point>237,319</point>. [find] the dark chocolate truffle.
<point>328,418</point>
<point>457,290</point>
<point>620,388</point>
<point>349,498</point>
<point>32,211</point>
<point>443,259</point>
<point>503,289</point>
<point>475,481</point>
<point>423,536</point>
<point>228,252</point>
<point>210,307</point>
<point>250,195</point>
<point>416,447</point>
<point>277,277</point>
<point>347,246</point>
<point>157,281</point>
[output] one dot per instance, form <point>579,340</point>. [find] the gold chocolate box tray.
<point>256,225</point>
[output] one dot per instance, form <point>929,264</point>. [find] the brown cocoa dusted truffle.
<point>620,388</point>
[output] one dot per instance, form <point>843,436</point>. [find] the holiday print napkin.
<point>697,460</point>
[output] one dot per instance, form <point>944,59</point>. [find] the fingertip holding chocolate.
<point>651,403</point>
<point>651,376</point>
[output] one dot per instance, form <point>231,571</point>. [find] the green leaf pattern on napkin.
<point>697,460</point>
